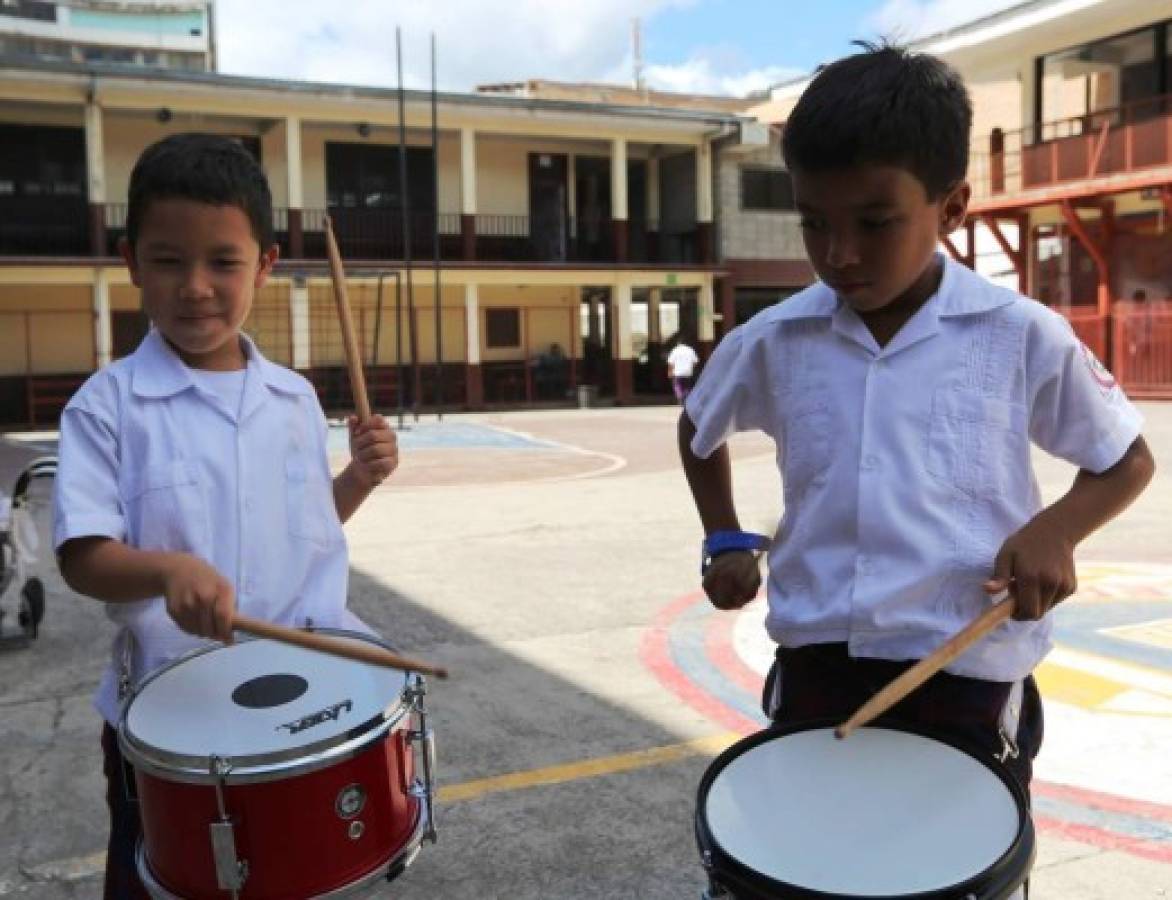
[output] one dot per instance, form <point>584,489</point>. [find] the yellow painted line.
<point>1076,687</point>
<point>588,768</point>
<point>76,868</point>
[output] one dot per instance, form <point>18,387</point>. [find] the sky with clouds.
<point>700,46</point>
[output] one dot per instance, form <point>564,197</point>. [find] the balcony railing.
<point>55,227</point>
<point>44,226</point>
<point>1127,139</point>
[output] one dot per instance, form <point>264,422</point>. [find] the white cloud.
<point>478,42</point>
<point>699,76</point>
<point>905,20</point>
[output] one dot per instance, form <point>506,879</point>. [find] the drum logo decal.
<point>329,714</point>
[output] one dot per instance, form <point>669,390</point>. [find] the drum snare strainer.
<point>887,813</point>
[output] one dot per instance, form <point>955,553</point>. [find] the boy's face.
<point>871,231</point>
<point>198,267</point>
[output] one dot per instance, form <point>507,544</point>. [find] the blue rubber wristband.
<point>725,541</point>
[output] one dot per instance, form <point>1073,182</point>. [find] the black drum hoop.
<point>1003,877</point>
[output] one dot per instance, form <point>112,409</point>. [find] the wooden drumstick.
<point>927,667</point>
<point>349,340</point>
<point>357,651</point>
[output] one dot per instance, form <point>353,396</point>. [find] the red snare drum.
<point>268,771</point>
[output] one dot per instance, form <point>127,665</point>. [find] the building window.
<point>366,176</point>
<point>502,328</point>
<point>1115,80</point>
<point>42,161</point>
<point>40,10</point>
<point>766,190</point>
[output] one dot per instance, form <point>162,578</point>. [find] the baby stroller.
<point>26,479</point>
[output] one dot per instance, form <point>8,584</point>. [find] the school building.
<point>576,230</point>
<point>1071,168</point>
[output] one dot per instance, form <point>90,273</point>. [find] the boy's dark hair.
<point>208,168</point>
<point>885,106</point>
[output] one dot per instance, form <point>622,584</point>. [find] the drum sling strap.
<point>124,653</point>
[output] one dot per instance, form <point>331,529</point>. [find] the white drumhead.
<point>880,813</point>
<point>258,697</point>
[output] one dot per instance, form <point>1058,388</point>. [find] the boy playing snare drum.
<point>193,476</point>
<point>903,391</point>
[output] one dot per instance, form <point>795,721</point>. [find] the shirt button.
<point>870,461</point>
<point>865,565</point>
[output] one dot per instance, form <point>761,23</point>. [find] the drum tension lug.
<point>231,872</point>
<point>422,739</point>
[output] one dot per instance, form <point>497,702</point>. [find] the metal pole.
<point>400,374</point>
<point>439,327</point>
<point>404,218</point>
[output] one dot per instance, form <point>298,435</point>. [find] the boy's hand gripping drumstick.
<point>359,652</point>
<point>927,667</point>
<point>349,341</point>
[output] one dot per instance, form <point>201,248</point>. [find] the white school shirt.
<point>149,457</point>
<point>905,468</point>
<point>682,360</point>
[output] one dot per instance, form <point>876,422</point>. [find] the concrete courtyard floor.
<point>550,560</point>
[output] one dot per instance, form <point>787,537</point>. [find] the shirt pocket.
<point>970,440</point>
<point>806,444</point>
<point>312,514</point>
<point>168,509</point>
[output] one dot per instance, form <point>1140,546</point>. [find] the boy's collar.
<point>962,292</point>
<point>161,373</point>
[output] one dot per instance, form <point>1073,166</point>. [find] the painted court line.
<point>92,865</point>
<point>587,768</point>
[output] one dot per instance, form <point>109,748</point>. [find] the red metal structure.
<point>1086,168</point>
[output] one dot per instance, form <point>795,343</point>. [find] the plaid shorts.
<point>822,681</point>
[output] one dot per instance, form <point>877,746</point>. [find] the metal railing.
<point>44,226</point>
<point>62,226</point>
<point>1128,138</point>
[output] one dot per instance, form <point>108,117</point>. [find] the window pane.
<point>502,328</point>
<point>1095,78</point>
<point>766,189</point>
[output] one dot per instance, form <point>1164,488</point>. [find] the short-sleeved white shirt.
<point>682,360</point>
<point>905,468</point>
<point>150,458</point>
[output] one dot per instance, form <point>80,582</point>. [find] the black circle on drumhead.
<point>270,690</point>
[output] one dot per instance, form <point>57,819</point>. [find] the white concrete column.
<point>618,179</point>
<point>95,154</point>
<point>293,178</point>
<point>654,330</point>
<point>704,182</point>
<point>103,328</point>
<point>299,323</point>
<point>472,324</point>
<point>593,327</point>
<point>653,194</point>
<point>705,310</point>
<point>621,316</point>
<point>468,171</point>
